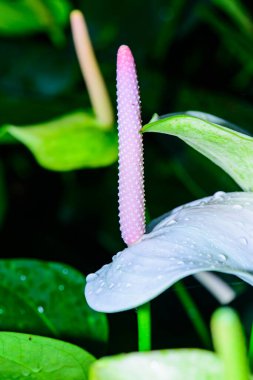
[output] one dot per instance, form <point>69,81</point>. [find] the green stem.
<point>251,348</point>
<point>144,327</point>
<point>193,313</point>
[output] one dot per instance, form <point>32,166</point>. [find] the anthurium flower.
<point>210,234</point>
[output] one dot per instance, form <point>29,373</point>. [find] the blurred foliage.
<point>193,54</point>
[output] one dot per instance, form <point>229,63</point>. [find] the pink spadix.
<point>131,179</point>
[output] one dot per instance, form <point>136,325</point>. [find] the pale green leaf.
<point>24,356</point>
<point>69,142</point>
<point>181,364</point>
<point>229,149</point>
<point>230,344</point>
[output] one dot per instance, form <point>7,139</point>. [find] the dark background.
<point>190,55</point>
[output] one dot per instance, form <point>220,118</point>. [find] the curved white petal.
<point>211,234</point>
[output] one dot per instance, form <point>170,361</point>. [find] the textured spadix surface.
<point>131,179</point>
<point>211,234</point>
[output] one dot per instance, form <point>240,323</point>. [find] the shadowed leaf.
<point>47,298</point>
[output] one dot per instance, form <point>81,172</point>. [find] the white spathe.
<point>211,234</point>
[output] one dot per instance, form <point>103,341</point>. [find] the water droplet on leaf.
<point>40,309</point>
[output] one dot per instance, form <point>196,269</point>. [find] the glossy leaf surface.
<point>47,298</point>
<point>229,149</point>
<point>24,356</point>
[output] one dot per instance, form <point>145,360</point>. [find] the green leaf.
<point>229,149</point>
<point>24,356</point>
<point>69,142</point>
<point>47,298</point>
<point>28,16</point>
<point>181,364</point>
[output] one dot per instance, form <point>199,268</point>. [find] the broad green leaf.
<point>229,149</point>
<point>180,364</point>
<point>28,16</point>
<point>70,142</point>
<point>24,356</point>
<point>47,298</point>
<point>209,234</point>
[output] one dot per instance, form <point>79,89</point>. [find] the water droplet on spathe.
<point>237,207</point>
<point>91,277</point>
<point>222,258</point>
<point>243,241</point>
<point>218,195</point>
<point>40,309</point>
<point>171,222</point>
<point>111,285</point>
